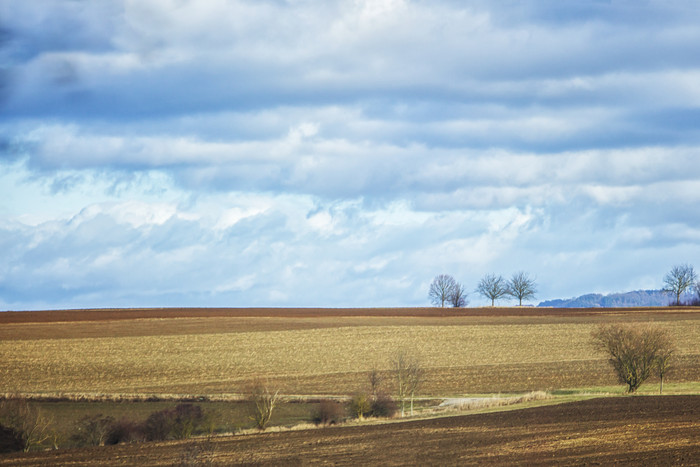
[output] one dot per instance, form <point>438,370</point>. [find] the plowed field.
<point>641,430</point>
<point>318,351</point>
<point>428,312</point>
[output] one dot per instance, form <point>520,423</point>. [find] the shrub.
<point>178,423</point>
<point>10,440</point>
<point>92,430</point>
<point>384,406</point>
<point>328,413</point>
<point>125,431</point>
<point>158,425</point>
<point>187,418</point>
<point>360,405</point>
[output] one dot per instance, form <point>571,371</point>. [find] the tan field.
<point>315,351</point>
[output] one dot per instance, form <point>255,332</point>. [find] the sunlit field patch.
<point>190,356</point>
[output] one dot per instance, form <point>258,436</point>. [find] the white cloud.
<point>306,161</point>
<point>232,152</point>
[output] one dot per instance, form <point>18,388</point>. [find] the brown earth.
<point>632,430</point>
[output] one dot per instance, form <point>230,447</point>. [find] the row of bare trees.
<point>445,290</point>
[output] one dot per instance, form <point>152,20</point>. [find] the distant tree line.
<point>445,290</point>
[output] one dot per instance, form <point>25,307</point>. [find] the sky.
<point>343,153</point>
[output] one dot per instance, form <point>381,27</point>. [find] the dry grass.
<point>480,403</point>
<point>323,355</point>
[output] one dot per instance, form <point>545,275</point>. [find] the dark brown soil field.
<point>632,430</point>
<point>45,316</point>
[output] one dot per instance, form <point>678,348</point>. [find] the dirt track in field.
<point>632,430</point>
<point>47,316</point>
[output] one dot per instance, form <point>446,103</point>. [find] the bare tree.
<point>458,298</point>
<point>634,350</point>
<point>400,367</point>
<point>441,289</point>
<point>663,363</point>
<point>263,403</point>
<point>409,376</point>
<point>493,287</point>
<point>521,286</point>
<point>679,279</point>
<point>375,381</point>
<point>416,375</point>
<point>92,430</point>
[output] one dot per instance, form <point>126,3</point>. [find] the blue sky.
<point>343,153</point>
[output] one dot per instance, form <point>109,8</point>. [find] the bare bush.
<point>383,406</point>
<point>92,430</point>
<point>634,350</point>
<point>328,413</point>
<point>157,426</point>
<point>125,430</point>
<point>10,440</point>
<point>179,422</point>
<point>263,402</point>
<point>27,421</point>
<point>360,405</point>
<point>186,419</point>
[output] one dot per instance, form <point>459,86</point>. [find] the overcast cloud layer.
<point>307,153</point>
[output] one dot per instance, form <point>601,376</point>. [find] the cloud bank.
<point>298,153</point>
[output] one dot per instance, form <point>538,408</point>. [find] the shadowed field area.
<point>641,430</point>
<point>314,351</point>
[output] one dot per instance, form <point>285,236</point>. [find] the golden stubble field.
<point>326,354</point>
